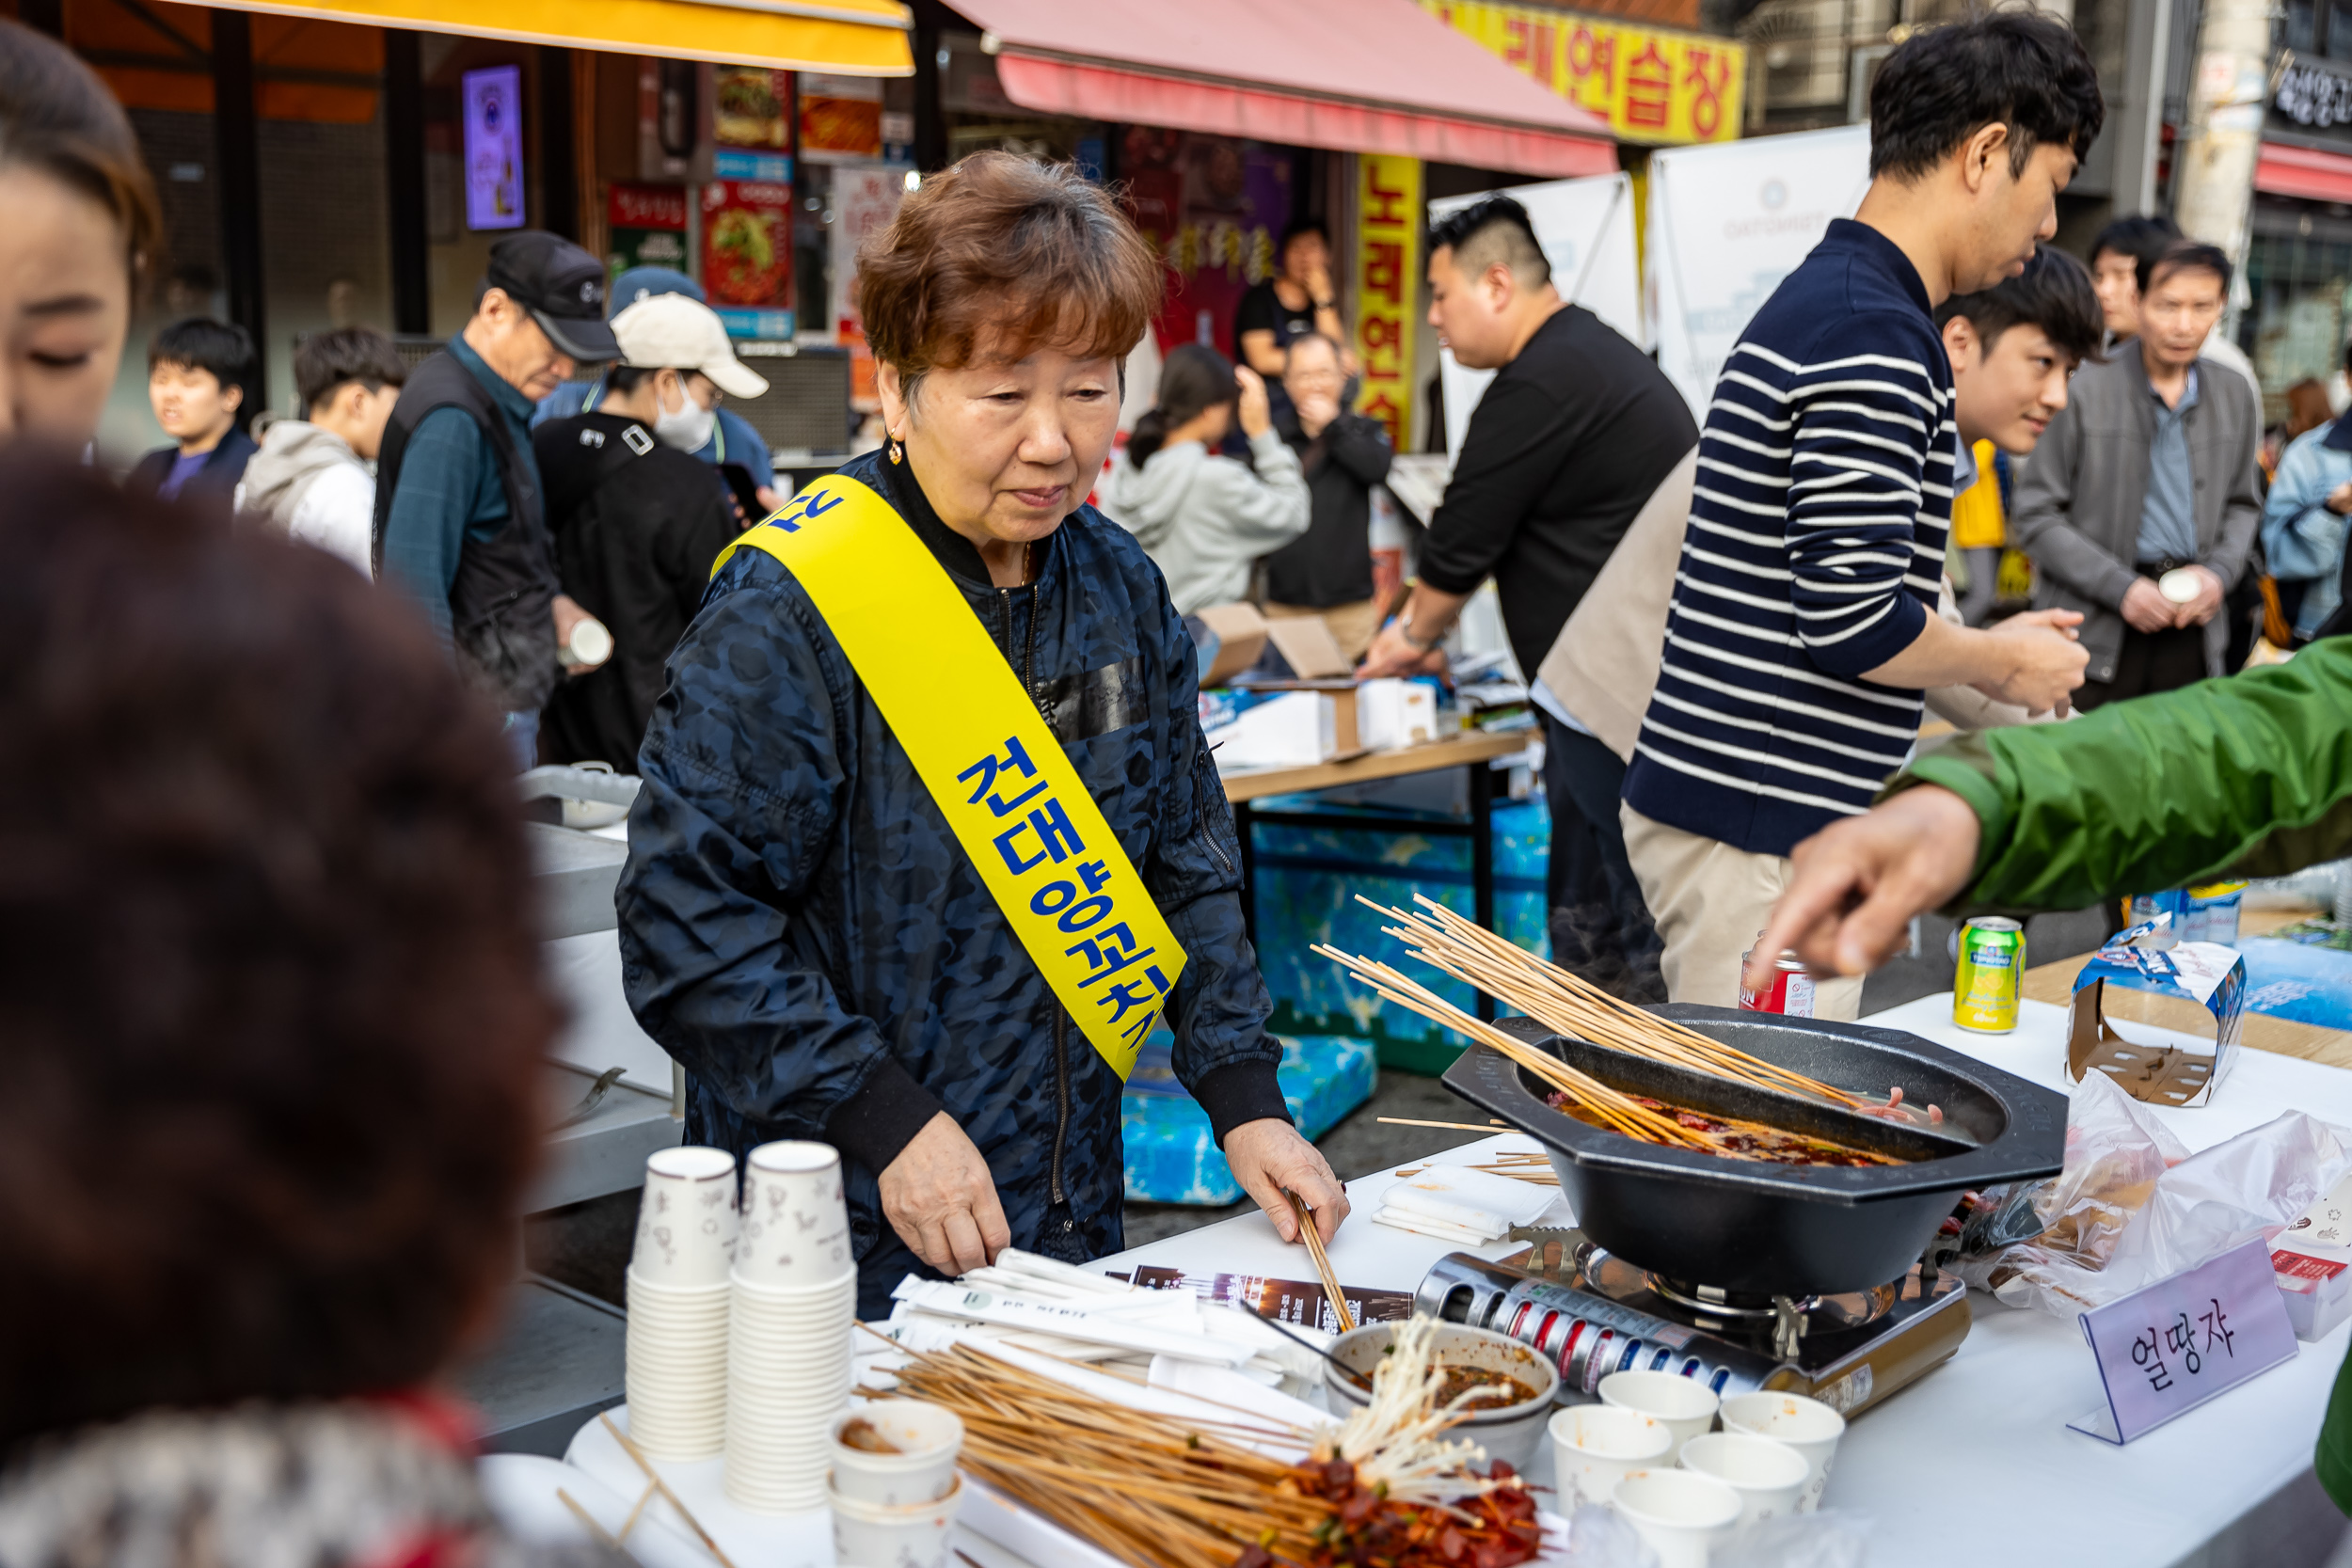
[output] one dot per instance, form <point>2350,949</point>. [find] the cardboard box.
<point>1392,713</point>
<point>1289,729</point>
<point>2197,989</point>
<point>1241,634</point>
<point>1307,647</point>
<point>2312,1258</point>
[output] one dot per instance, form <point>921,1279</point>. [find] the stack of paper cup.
<point>794,1303</point>
<point>678,1304</point>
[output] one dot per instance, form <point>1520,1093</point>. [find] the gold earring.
<point>898,453</point>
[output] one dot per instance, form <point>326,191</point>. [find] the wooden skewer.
<point>1313,1238</point>
<point>652,1475</point>
<point>602,1537</point>
<point>630,1523</point>
<point>1456,1126</point>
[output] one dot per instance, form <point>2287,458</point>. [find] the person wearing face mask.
<point>83,230</point>
<point>637,520</point>
<point>929,837</point>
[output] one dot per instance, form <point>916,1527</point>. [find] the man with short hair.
<point>731,441</point>
<point>459,517</point>
<point>1326,570</point>
<point>2142,507</point>
<point>310,480</point>
<point>1804,631</point>
<point>637,521</point>
<point>198,371</point>
<point>2122,247</point>
<point>1574,434</point>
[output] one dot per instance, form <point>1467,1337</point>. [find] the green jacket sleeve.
<point>2250,775</point>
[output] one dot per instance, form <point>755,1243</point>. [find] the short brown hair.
<point>327,360</point>
<point>269,984</point>
<point>999,254</point>
<point>57,117</point>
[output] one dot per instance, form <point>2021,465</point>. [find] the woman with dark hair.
<point>270,990</point>
<point>82,233</point>
<point>1205,518</point>
<point>929,837</point>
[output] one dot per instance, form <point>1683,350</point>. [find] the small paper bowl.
<point>924,1471</point>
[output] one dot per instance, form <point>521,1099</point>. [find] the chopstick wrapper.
<point>1476,1198</point>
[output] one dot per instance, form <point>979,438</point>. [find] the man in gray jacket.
<point>2141,506</point>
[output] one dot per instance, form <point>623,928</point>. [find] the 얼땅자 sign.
<point>2168,1347</point>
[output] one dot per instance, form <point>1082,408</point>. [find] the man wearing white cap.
<point>637,521</point>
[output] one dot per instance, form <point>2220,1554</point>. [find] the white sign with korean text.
<point>2165,1349</point>
<point>1586,230</point>
<point>1727,224</point>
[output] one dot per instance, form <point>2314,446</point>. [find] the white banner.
<point>1727,224</point>
<point>1586,230</point>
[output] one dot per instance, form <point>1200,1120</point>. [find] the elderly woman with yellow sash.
<point>929,840</point>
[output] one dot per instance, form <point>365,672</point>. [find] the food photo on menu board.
<point>752,107</point>
<point>747,245</point>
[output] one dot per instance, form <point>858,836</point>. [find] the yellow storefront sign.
<point>1651,86</point>
<point>1388,286</point>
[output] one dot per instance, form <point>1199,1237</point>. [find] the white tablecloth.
<point>1973,1462</point>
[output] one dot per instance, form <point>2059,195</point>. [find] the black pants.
<point>1600,928</point>
<point>2151,662</point>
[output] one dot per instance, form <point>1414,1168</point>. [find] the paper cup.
<point>1770,1477</point>
<point>1686,1406</point>
<point>923,1470</point>
<point>1805,1425</point>
<point>686,1221</point>
<point>913,1537</point>
<point>796,1231</point>
<point>1595,1445</point>
<point>1681,1514</point>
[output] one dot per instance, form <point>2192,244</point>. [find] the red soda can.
<point>1790,992</point>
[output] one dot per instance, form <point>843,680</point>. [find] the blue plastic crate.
<point>1170,1156</point>
<point>1307,880</point>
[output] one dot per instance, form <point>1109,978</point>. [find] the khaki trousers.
<point>1352,626</point>
<point>1710,902</point>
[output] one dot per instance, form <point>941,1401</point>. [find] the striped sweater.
<point>1813,554</point>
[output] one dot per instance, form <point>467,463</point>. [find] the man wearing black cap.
<point>460,518</point>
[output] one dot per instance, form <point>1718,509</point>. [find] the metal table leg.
<point>1482,808</point>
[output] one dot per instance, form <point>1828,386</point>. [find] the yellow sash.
<point>980,747</point>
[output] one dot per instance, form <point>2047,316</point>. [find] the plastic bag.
<point>2132,1206</point>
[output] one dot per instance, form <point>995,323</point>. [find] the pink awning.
<point>2303,172</point>
<point>1353,75</point>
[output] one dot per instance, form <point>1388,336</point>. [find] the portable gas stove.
<point>1593,1313</point>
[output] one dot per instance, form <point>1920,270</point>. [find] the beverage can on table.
<point>1790,992</point>
<point>1984,986</point>
<point>2213,912</point>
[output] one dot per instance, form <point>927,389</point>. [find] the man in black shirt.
<point>1567,443</point>
<point>637,518</point>
<point>1326,570</point>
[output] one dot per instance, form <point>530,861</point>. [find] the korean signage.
<point>2312,93</point>
<point>494,147</point>
<point>1213,207</point>
<point>2168,1347</point>
<point>1387,278</point>
<point>1650,86</point>
<point>648,225</point>
<point>865,197</point>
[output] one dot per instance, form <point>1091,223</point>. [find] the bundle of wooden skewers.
<point>1568,1005</point>
<point>1384,1487</point>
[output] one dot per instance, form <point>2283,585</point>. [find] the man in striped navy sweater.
<point>1803,628</point>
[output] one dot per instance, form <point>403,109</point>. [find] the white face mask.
<point>689,427</point>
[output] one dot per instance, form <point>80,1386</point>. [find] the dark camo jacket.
<point>795,907</point>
